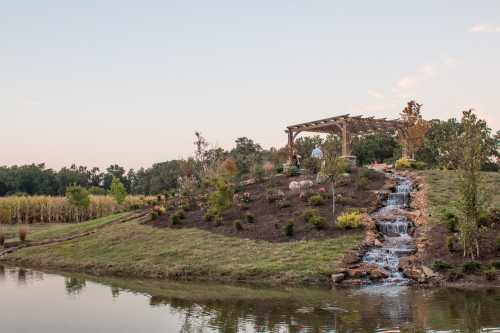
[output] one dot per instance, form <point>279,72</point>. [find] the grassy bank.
<point>133,249</point>
<point>444,191</point>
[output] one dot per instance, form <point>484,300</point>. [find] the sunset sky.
<point>128,82</point>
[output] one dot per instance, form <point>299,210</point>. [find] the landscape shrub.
<point>258,172</point>
<point>490,273</point>
<point>454,275</point>
<point>319,222</point>
<point>312,165</point>
<point>218,220</point>
<point>22,232</point>
<point>402,163</point>
<point>418,165</point>
<point>283,204</point>
<point>249,217</point>
<point>273,195</point>
<point>349,220</point>
<point>292,171</point>
<point>316,200</point>
<point>210,214</point>
<point>177,216</point>
<point>361,179</point>
<point>238,225</point>
<point>117,190</point>
<point>309,213</point>
<point>451,221</point>
<point>289,228</point>
<point>471,267</point>
<point>451,243</point>
<point>278,168</point>
<point>441,265</point>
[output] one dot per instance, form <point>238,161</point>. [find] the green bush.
<point>490,274</point>
<point>418,165</point>
<point>292,171</point>
<point>283,204</point>
<point>316,200</point>
<point>218,220</point>
<point>312,165</point>
<point>451,243</point>
<point>402,163</point>
<point>471,267</point>
<point>289,228</point>
<point>210,214</point>
<point>177,216</point>
<point>258,172</point>
<point>319,222</point>
<point>454,275</point>
<point>349,220</point>
<point>441,265</point>
<point>238,225</point>
<point>451,221</point>
<point>249,217</point>
<point>278,168</point>
<point>309,213</point>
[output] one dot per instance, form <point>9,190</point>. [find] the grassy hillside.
<point>134,249</point>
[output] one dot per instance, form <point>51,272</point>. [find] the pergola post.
<point>290,146</point>
<point>346,140</point>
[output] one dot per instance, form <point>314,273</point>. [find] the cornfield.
<point>46,209</point>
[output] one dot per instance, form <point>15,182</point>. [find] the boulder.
<point>378,273</point>
<point>337,278</point>
<point>429,273</point>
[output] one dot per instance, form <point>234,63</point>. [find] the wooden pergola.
<point>346,127</point>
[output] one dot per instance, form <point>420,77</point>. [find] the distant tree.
<point>416,127</point>
<point>117,171</point>
<point>375,148</point>
<point>246,154</point>
<point>117,190</point>
<point>78,197</point>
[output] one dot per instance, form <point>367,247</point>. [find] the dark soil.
<point>270,220</point>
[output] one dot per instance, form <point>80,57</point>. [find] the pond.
<point>32,301</point>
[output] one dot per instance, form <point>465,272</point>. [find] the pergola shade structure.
<point>345,127</point>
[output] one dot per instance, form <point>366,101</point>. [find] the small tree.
<point>78,197</point>
<point>472,198</point>
<point>332,167</point>
<point>117,190</point>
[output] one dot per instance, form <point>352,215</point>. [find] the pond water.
<point>32,301</point>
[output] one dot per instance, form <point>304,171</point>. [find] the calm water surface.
<point>31,301</point>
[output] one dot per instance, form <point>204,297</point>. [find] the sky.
<point>129,82</point>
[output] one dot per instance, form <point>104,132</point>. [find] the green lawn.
<point>46,231</point>
<point>444,190</point>
<point>133,249</point>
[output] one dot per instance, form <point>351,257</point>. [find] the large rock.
<point>350,258</point>
<point>378,273</point>
<point>337,278</point>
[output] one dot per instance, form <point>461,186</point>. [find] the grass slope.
<point>133,249</point>
<point>444,191</point>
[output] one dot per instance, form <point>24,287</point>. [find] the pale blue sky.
<point>128,82</point>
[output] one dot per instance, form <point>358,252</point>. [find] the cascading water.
<point>394,226</point>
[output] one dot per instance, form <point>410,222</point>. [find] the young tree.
<point>332,168</point>
<point>117,190</point>
<point>472,197</point>
<point>78,197</point>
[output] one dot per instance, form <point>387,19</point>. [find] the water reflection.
<point>109,305</point>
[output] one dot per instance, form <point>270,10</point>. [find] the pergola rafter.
<point>344,126</point>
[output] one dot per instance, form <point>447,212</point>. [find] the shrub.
<point>441,265</point>
<point>361,179</point>
<point>238,225</point>
<point>316,200</point>
<point>418,165</point>
<point>289,228</point>
<point>402,163</point>
<point>278,168</point>
<point>177,216</point>
<point>2,237</point>
<point>218,220</point>
<point>312,165</point>
<point>23,232</point>
<point>454,275</point>
<point>451,221</point>
<point>451,243</point>
<point>349,220</point>
<point>78,197</point>
<point>258,172</point>
<point>249,217</point>
<point>309,213</point>
<point>490,274</point>
<point>210,214</point>
<point>319,222</point>
<point>471,267</point>
<point>283,204</point>
<point>154,215</point>
<point>292,171</point>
